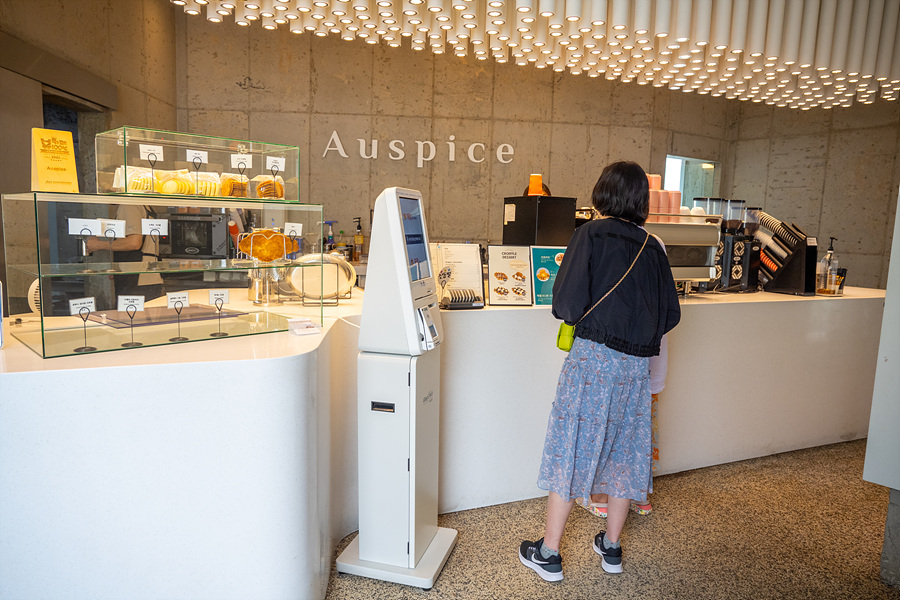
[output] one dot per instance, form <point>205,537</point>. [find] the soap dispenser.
<point>358,239</point>
<point>827,272</point>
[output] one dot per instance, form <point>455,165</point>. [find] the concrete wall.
<point>129,44</point>
<point>280,87</point>
<point>833,173</point>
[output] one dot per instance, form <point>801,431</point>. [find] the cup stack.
<point>663,205</point>
<point>674,205</point>
<point>657,203</point>
<point>654,206</point>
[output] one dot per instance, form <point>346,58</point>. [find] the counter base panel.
<point>147,482</point>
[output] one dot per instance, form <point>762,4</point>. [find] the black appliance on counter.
<point>538,220</point>
<point>788,257</point>
<point>737,263</point>
<point>200,236</point>
<point>738,252</point>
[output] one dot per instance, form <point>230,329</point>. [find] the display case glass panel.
<point>133,160</point>
<point>73,259</point>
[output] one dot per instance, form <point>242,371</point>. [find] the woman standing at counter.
<point>598,434</point>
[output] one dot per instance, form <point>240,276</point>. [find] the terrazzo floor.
<point>796,525</point>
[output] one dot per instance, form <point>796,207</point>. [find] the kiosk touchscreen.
<point>398,403</point>
<point>400,306</point>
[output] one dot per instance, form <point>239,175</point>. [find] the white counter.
<point>228,468</point>
<point>198,470</point>
<point>749,375</point>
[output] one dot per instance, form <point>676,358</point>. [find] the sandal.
<point>642,509</point>
<point>598,509</point>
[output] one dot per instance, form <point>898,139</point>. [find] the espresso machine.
<point>692,242</point>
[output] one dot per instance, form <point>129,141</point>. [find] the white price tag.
<point>125,302</point>
<point>112,228</point>
<point>173,298</point>
<point>76,305</point>
<point>275,162</point>
<point>193,156</point>
<point>509,213</point>
<point>84,227</point>
<point>242,161</point>
<point>218,294</point>
<point>151,153</point>
<point>293,229</point>
<point>158,227</point>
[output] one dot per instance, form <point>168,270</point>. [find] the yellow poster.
<point>53,161</point>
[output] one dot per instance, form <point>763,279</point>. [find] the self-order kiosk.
<point>399,403</point>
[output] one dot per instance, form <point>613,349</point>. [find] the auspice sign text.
<point>424,150</point>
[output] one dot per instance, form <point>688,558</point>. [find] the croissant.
<point>268,245</point>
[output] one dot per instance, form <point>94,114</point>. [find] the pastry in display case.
<point>134,160</point>
<point>93,273</point>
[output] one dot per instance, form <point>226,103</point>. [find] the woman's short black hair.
<point>624,192</point>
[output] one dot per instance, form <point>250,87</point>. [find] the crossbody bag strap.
<point>618,282</point>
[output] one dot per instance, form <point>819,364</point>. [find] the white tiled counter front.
<point>228,468</point>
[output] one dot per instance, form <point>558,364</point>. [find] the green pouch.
<point>565,337</point>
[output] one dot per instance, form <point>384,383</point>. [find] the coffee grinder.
<point>739,251</point>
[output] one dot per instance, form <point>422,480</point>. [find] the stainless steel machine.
<point>692,242</point>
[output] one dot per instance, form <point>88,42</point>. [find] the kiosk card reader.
<point>398,403</point>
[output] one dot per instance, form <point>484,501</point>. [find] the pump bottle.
<point>826,272</point>
<point>358,240</point>
<point>329,239</point>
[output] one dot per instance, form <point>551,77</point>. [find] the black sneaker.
<point>612,557</point>
<point>550,569</point>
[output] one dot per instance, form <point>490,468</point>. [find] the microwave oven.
<point>194,236</point>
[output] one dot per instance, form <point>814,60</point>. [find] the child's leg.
<point>645,508</point>
<point>654,428</point>
<point>557,514</point>
<point>615,517</point>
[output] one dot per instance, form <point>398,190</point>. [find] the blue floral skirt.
<point>599,432</point>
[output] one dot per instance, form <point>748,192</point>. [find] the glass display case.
<point>133,160</point>
<point>94,273</point>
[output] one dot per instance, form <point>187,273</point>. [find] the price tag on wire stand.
<point>85,227</point>
<point>112,228</point>
<point>197,156</point>
<point>293,229</point>
<point>77,304</point>
<point>218,295</point>
<point>275,163</point>
<point>242,161</point>
<point>151,152</point>
<point>128,301</point>
<point>173,298</point>
<point>158,227</point>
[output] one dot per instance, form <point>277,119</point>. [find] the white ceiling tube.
<point>797,53</point>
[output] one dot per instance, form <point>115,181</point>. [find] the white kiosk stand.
<point>399,404</point>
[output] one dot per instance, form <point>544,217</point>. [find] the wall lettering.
<point>425,150</point>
